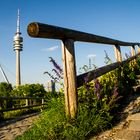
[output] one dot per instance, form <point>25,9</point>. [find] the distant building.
<point>51,86</point>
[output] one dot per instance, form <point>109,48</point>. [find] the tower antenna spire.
<point>18,21</point>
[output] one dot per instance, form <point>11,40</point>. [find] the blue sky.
<point>118,19</point>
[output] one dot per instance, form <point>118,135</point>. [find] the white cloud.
<point>50,49</point>
<point>91,55</point>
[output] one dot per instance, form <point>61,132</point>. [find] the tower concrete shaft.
<point>18,76</point>
<point>18,40</point>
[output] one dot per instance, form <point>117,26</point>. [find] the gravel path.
<point>10,129</point>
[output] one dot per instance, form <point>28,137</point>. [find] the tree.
<point>5,90</point>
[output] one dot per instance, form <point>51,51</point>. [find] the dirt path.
<point>10,129</point>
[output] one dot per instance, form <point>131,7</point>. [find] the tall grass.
<point>97,104</point>
<point>53,124</point>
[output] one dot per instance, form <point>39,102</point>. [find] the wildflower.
<point>115,96</point>
<point>56,72</point>
<point>127,56</point>
<point>97,89</point>
<point>86,79</point>
<point>115,92</point>
<point>56,65</point>
<point>87,86</point>
<point>51,76</point>
<point>107,59</point>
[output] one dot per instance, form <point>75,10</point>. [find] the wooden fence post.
<point>27,102</point>
<point>70,85</point>
<point>133,51</point>
<point>42,102</point>
<point>117,53</point>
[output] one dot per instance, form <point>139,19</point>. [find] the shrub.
<point>31,90</point>
<point>5,90</point>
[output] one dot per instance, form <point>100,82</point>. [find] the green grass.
<point>97,105</point>
<point>16,113</point>
<point>53,124</point>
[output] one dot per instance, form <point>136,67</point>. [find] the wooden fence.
<point>68,37</point>
<point>29,102</point>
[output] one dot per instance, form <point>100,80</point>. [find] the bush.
<point>5,90</point>
<point>30,90</point>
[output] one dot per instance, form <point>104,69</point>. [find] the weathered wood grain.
<point>40,30</point>
<point>69,70</point>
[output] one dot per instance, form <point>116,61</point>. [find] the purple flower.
<point>56,72</point>
<point>97,84</point>
<point>98,96</point>
<point>56,65</point>
<point>97,89</point>
<point>115,91</point>
<point>87,87</point>
<point>51,76</point>
<point>86,79</point>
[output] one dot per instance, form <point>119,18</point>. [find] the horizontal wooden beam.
<point>17,98</point>
<point>91,75</point>
<point>40,30</point>
<point>24,107</point>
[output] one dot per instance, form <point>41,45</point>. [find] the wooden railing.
<point>28,103</point>
<point>101,71</point>
<point>68,37</point>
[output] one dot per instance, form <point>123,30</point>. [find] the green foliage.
<point>137,65</point>
<point>48,124</point>
<point>100,96</point>
<point>53,124</point>
<point>16,113</point>
<point>5,90</point>
<point>93,116</point>
<point>31,90</point>
<point>97,100</point>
